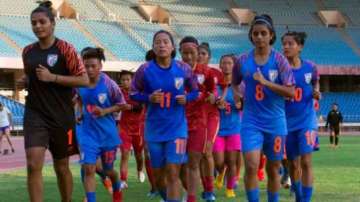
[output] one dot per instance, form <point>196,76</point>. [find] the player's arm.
<point>283,90</point>
<point>286,88</point>
<point>316,83</point>
<point>116,98</point>
<point>78,106</point>
<point>77,77</point>
<point>236,79</point>
<point>138,87</point>
<point>190,84</point>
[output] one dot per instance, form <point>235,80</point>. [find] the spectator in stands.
<point>5,123</point>
<point>334,119</point>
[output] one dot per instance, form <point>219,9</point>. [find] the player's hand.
<point>43,74</point>
<point>316,95</point>
<point>21,83</point>
<point>78,119</point>
<point>157,96</point>
<point>258,76</point>
<point>238,105</point>
<point>211,99</point>
<point>221,104</point>
<point>127,107</point>
<point>99,112</point>
<point>181,99</point>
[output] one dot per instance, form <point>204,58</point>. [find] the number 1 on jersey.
<point>165,101</point>
<point>298,94</point>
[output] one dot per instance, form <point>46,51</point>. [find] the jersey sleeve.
<point>190,83</point>
<point>286,73</point>
<point>116,96</point>
<point>315,73</point>
<point>137,92</point>
<point>236,73</point>
<point>73,61</point>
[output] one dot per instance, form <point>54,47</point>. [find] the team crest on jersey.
<point>179,82</point>
<point>102,98</point>
<point>308,77</point>
<point>200,78</point>
<point>273,74</point>
<point>52,59</point>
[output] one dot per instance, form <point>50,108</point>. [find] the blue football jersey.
<point>165,121</point>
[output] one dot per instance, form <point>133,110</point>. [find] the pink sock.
<point>231,182</point>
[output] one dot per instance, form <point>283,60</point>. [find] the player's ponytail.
<point>45,7</point>
<point>90,52</point>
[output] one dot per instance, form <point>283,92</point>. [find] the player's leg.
<point>252,143</point>
<point>104,179</point>
<point>274,150</point>
<point>307,176</point>
<point>64,178</point>
<point>108,157</point>
<point>149,171</point>
<point>125,153</point>
<point>212,128</point>
<point>138,146</point>
<point>89,181</point>
<point>158,161</point>
<point>193,174</point>
<point>61,146</point>
<point>332,136</point>
<point>36,142</point>
<point>175,157</point>
<point>34,162</point>
<point>336,134</point>
<point>232,147</point>
<point>292,154</point>
<point>219,158</point>
<point>7,136</point>
<point>1,137</point>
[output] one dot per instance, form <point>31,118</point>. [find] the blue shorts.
<point>89,155</point>
<point>170,152</point>
<point>300,142</point>
<point>272,145</point>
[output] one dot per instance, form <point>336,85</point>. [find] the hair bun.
<point>46,4</point>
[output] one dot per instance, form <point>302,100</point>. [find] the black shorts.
<point>60,142</point>
<point>336,129</point>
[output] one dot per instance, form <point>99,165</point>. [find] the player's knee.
<point>306,164</point>
<point>61,167</point>
<point>294,165</point>
<point>33,167</point>
<point>172,176</point>
<point>89,170</point>
<point>208,156</point>
<point>251,168</point>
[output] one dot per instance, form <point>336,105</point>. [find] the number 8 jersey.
<point>263,108</point>
<point>164,121</point>
<point>300,111</point>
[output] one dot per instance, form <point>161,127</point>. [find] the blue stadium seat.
<point>349,105</point>
<point>16,108</point>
